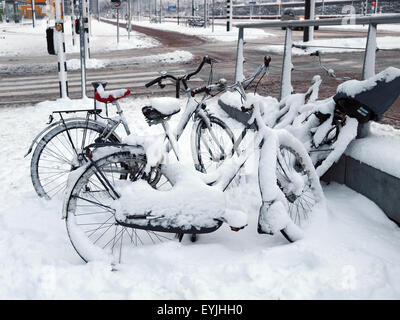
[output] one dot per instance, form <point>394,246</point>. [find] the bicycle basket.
<point>371,98</point>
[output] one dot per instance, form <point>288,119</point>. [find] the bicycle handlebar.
<point>152,82</point>
<point>329,72</point>
<point>184,79</point>
<point>237,85</point>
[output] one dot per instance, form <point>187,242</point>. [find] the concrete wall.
<point>376,185</point>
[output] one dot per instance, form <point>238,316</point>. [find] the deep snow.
<point>350,254</point>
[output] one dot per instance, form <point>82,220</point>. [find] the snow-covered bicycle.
<point>129,195</point>
<point>58,147</point>
<point>327,126</point>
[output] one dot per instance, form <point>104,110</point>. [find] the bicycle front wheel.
<point>297,178</point>
<point>90,217</point>
<point>212,144</point>
<point>59,152</point>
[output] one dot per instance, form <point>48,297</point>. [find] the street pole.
<point>129,19</point>
<point>87,26</point>
<point>73,22</point>
<point>213,15</point>
<point>82,41</point>
<point>4,11</point>
<point>309,15</point>
<point>98,10</point>
<point>192,8</point>
<point>33,13</point>
<point>160,11</point>
<point>312,16</point>
<point>205,13</point>
<point>62,65</point>
<point>117,25</point>
<point>177,11</point>
<point>229,13</point>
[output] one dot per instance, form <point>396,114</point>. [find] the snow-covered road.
<point>352,253</point>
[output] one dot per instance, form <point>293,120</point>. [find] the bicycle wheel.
<point>212,147</point>
<point>58,153</point>
<point>90,219</point>
<point>297,179</point>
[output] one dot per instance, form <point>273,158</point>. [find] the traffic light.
<point>50,41</point>
<point>77,26</point>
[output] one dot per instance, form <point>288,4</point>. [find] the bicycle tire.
<point>38,179</point>
<point>301,203</point>
<point>95,244</point>
<point>199,157</point>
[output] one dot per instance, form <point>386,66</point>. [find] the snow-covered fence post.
<point>286,77</point>
<point>239,76</point>
<point>229,12</point>
<point>62,64</point>
<point>370,50</point>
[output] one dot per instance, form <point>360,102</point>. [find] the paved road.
<point>33,87</point>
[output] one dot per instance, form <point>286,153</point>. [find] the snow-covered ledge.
<point>371,166</point>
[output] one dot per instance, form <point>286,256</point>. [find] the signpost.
<point>117,5</point>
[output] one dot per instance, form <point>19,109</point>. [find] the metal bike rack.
<point>286,84</point>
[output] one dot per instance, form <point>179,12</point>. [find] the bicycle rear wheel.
<point>213,146</point>
<point>58,153</point>
<point>90,218</point>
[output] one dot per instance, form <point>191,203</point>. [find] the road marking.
<point>18,89</point>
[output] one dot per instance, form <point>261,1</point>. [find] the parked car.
<point>197,21</point>
<point>295,14</point>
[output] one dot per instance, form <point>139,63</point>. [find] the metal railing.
<point>370,49</point>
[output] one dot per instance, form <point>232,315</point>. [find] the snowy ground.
<point>381,27</point>
<point>334,45</point>
<point>23,40</point>
<point>219,34</point>
<point>352,253</point>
